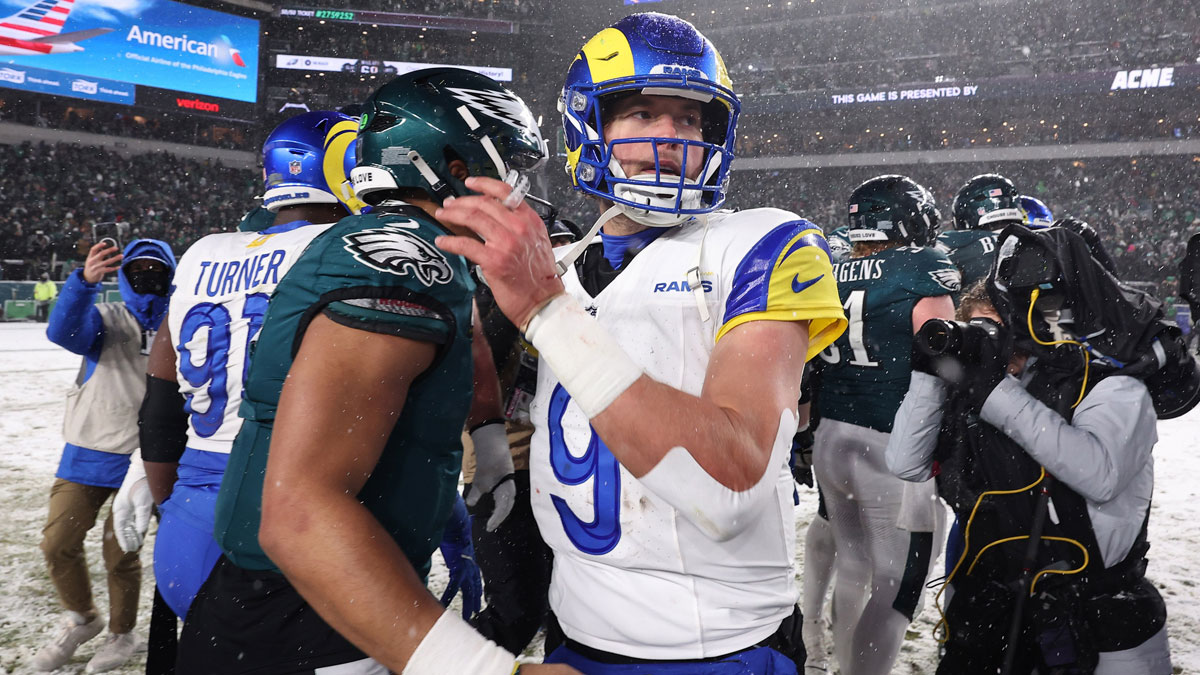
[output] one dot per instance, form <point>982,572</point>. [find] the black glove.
<point>802,449</point>
<point>984,359</point>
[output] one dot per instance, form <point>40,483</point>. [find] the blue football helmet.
<point>1037,214</point>
<point>651,54</point>
<point>307,160</point>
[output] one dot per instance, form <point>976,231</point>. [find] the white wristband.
<point>584,357</point>
<point>452,646</point>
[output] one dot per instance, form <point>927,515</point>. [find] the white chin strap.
<point>564,263</point>
<point>660,196</point>
<point>693,275</point>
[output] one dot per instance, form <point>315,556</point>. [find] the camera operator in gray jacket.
<point>1038,418</point>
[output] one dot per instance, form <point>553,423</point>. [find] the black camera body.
<point>962,341</point>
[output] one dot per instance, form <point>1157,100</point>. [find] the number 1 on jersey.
<point>854,333</point>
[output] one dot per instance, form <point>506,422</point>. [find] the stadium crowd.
<point>1144,209</point>
<point>955,40</point>
<point>47,214</point>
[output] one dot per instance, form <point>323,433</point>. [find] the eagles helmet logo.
<point>395,250</point>
<point>948,278</point>
<point>499,105</point>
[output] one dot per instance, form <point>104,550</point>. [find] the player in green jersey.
<point>346,467</point>
<point>890,286</point>
<point>983,206</point>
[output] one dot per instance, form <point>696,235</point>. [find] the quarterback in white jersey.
<point>222,289</point>
<point>620,550</point>
<point>671,355</point>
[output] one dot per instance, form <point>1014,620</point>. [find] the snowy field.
<point>35,374</point>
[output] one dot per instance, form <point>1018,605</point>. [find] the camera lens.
<point>939,336</point>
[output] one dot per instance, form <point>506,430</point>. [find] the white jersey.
<point>632,576</point>
<point>222,286</point>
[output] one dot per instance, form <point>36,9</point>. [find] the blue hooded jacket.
<point>75,325</point>
<point>149,309</point>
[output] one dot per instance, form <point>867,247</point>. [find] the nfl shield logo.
<point>995,192</point>
<point>981,210</point>
<point>294,167</point>
<point>854,208</point>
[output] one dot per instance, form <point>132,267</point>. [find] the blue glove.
<point>459,553</point>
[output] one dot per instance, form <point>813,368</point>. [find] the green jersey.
<point>256,220</point>
<point>972,251</point>
<point>866,371</point>
<point>381,273</point>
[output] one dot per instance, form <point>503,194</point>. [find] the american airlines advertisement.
<point>101,49</point>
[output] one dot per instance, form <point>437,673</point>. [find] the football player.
<point>671,354</point>
<point>345,470</point>
<point>198,362</point>
<point>886,535</point>
<point>983,206</point>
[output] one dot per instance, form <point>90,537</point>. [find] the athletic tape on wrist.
<point>452,646</point>
<point>585,358</point>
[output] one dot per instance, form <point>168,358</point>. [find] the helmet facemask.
<point>654,55</point>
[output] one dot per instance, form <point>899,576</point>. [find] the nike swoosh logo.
<point>798,285</point>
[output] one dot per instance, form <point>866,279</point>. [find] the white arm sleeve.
<point>909,453</point>
<point>719,512</point>
<point>1107,443</point>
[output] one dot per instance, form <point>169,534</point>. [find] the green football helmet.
<point>892,208</point>
<point>987,202</point>
<point>414,126</point>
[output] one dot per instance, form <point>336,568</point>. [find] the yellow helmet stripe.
<point>609,55</point>
<point>339,138</point>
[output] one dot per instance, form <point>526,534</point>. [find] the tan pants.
<point>73,511</point>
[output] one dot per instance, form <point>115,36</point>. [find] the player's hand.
<point>514,254</point>
<point>459,553</point>
<point>493,472</point>
<point>103,259</point>
<point>131,509</point>
<point>802,450</point>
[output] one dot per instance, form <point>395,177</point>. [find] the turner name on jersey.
<point>223,284</point>
<point>632,575</point>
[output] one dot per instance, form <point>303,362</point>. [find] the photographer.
<point>1041,442</point>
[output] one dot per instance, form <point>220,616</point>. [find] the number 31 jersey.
<point>866,372</point>
<point>632,575</point>
<point>222,286</point>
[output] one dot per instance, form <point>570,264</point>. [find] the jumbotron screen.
<point>131,51</point>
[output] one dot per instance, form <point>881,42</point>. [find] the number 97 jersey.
<point>222,286</point>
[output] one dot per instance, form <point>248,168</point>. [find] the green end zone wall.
<point>19,304</point>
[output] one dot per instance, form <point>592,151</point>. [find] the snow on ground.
<point>34,376</point>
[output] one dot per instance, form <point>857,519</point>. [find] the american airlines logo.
<point>220,49</point>
<point>14,76</point>
<point>1149,78</point>
<point>84,87</point>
